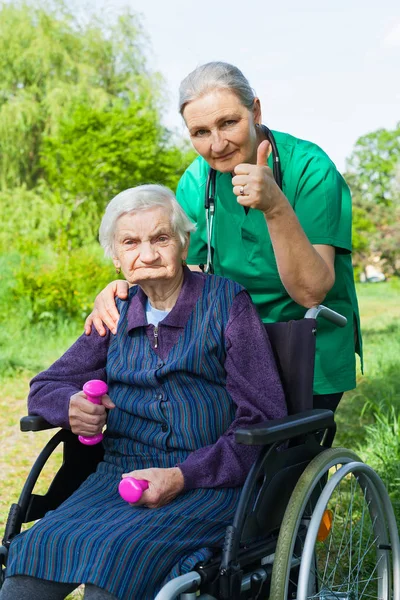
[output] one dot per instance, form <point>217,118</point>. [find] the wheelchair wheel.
<point>342,546</point>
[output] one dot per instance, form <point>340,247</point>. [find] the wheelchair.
<point>312,521</point>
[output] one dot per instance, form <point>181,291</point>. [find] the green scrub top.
<point>243,250</point>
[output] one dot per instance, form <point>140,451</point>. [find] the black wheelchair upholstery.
<point>288,445</point>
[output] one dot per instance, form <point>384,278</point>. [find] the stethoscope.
<point>210,195</point>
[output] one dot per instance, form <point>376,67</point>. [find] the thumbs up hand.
<point>263,152</point>
<point>254,185</point>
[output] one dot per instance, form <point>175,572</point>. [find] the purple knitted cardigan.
<point>252,379</point>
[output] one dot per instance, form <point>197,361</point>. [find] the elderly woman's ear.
<point>185,249</point>
<point>257,111</point>
<point>117,265</point>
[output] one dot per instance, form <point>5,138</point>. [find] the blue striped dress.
<point>165,409</point>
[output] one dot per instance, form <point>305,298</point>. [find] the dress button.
<point>159,396</point>
<point>159,365</point>
<point>164,427</point>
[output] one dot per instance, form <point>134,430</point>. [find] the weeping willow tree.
<point>80,117</point>
<point>49,65</point>
<point>80,120</point>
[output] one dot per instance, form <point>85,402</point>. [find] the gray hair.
<point>212,76</point>
<point>143,197</point>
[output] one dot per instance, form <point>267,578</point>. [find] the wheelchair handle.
<point>131,489</point>
<point>94,390</point>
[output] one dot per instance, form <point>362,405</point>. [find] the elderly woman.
<point>289,245</point>
<point>189,363</point>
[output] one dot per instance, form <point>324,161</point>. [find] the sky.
<point>325,71</point>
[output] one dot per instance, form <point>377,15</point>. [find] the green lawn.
<point>380,321</point>
<point>29,351</point>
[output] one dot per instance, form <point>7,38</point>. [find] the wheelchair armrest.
<point>281,430</point>
<point>35,423</point>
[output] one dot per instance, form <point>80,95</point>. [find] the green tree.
<point>375,161</point>
<point>374,178</point>
<point>96,153</point>
<point>51,64</point>
<point>80,117</point>
<point>80,120</point>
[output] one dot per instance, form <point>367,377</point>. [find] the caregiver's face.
<point>145,247</point>
<point>222,130</point>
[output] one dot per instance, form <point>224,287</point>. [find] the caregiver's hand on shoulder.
<point>254,185</point>
<point>86,418</point>
<point>105,311</point>
<point>164,486</point>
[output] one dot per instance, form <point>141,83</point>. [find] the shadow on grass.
<point>358,406</point>
<point>392,329</point>
<point>14,367</point>
<point>32,348</point>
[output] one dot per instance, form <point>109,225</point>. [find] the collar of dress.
<point>193,284</point>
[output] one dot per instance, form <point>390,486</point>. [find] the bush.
<point>60,286</point>
<point>30,219</point>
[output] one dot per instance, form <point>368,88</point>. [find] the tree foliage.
<point>375,160</point>
<point>80,115</point>
<point>374,178</point>
<point>49,65</point>
<point>80,120</point>
<point>97,153</point>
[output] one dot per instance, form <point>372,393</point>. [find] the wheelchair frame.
<point>274,557</point>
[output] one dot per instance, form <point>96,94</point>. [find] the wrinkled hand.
<point>260,189</point>
<point>105,311</point>
<point>164,486</point>
<point>86,418</point>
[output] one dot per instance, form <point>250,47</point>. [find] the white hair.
<point>213,76</point>
<point>143,197</point>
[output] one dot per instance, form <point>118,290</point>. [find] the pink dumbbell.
<point>94,390</point>
<point>131,489</point>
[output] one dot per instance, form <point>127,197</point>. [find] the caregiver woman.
<point>289,248</point>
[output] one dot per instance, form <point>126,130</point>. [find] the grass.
<point>19,450</point>
<point>380,384</point>
<point>23,352</point>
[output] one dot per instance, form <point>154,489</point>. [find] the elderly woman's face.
<point>146,249</point>
<point>222,130</point>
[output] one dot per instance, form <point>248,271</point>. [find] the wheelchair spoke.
<point>362,529</point>
<point>343,536</point>
<point>346,565</point>
<point>357,567</point>
<point>338,556</point>
<point>370,579</point>
<point>330,542</point>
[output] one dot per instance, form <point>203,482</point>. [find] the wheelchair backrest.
<point>293,344</point>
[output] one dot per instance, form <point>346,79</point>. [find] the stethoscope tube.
<point>210,195</point>
<point>209,204</point>
<point>276,163</point>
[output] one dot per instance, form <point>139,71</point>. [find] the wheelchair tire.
<point>295,523</point>
<point>360,559</point>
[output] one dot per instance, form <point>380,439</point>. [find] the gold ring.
<point>241,190</point>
